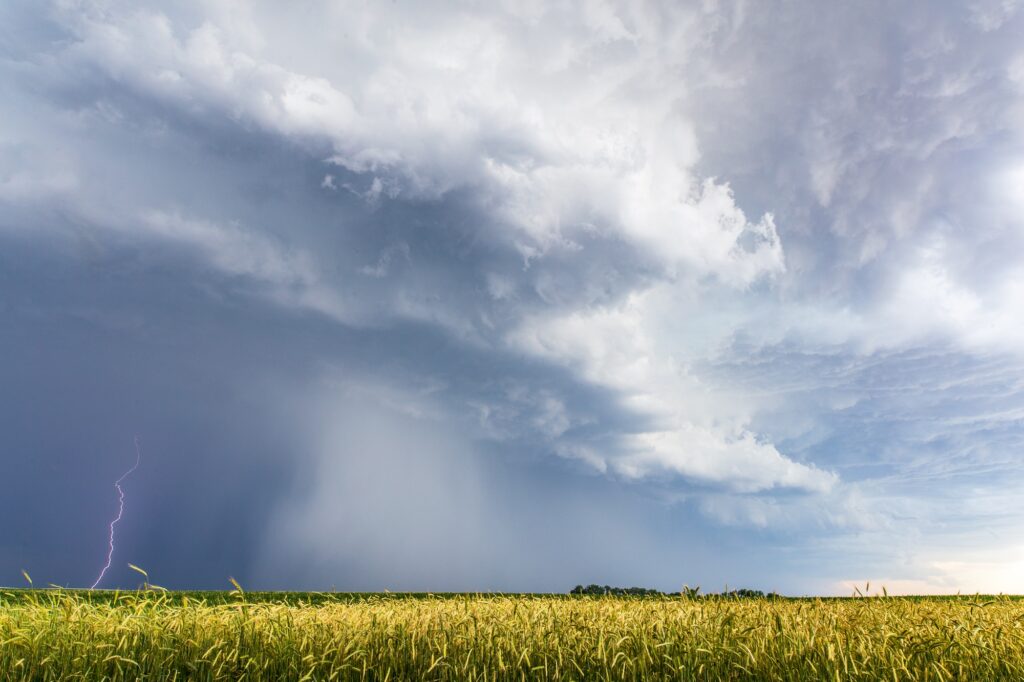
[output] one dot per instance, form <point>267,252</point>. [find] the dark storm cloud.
<point>402,297</point>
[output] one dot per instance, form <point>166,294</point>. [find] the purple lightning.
<point>120,511</point>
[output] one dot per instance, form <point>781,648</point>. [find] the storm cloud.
<point>418,296</point>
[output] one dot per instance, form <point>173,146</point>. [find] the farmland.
<point>60,635</point>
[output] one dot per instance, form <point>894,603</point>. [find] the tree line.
<point>686,591</point>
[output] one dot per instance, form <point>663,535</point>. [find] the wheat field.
<point>67,635</point>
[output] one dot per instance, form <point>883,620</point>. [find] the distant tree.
<point>600,590</point>
<point>751,594</point>
<point>686,592</point>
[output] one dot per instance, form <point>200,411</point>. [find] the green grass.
<point>61,635</point>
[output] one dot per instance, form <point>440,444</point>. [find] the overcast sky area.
<point>514,296</point>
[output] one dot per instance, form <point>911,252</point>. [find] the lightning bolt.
<point>120,511</point>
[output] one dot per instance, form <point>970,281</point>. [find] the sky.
<point>513,295</point>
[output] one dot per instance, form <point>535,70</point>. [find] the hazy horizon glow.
<point>421,296</point>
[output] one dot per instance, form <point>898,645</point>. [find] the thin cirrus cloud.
<point>714,263</point>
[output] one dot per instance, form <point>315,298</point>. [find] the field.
<point>67,635</point>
